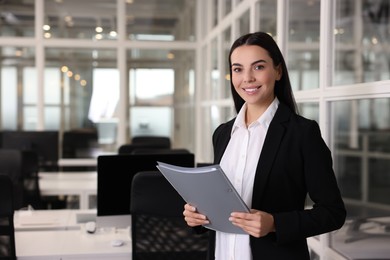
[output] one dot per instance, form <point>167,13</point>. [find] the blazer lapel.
<point>271,145</point>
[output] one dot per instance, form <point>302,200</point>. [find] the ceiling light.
<point>99,29</point>
<point>113,34</point>
<point>64,69</point>
<point>83,82</point>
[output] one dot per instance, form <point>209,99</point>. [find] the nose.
<point>249,77</point>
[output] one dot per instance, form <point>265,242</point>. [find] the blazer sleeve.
<point>328,212</point>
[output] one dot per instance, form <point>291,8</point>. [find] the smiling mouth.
<point>251,89</point>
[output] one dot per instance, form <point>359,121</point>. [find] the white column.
<point>40,64</point>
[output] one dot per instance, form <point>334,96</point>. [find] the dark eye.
<point>259,67</point>
<point>236,69</point>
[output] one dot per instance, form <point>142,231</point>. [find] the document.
<point>210,191</point>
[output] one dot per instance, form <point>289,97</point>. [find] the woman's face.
<point>254,74</point>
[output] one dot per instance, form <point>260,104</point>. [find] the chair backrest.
<point>7,230</point>
<point>133,148</point>
<point>159,151</point>
<point>11,166</point>
<point>130,148</point>
<point>78,143</point>
<point>31,191</point>
<point>158,228</point>
<point>157,141</point>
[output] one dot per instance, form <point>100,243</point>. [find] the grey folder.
<point>210,191</point>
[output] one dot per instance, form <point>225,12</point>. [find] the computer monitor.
<point>44,143</point>
<point>115,173</point>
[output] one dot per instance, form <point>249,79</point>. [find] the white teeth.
<point>250,89</point>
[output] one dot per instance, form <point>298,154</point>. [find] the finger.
<point>189,208</point>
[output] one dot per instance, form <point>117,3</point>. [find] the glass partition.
<point>17,18</point>
<point>168,20</point>
<point>243,23</point>
<point>17,76</point>
<point>82,93</point>
<point>225,75</point>
<point>309,110</point>
<point>161,82</point>
<point>361,141</point>
<point>304,46</point>
<point>362,51</point>
<point>87,19</point>
<point>215,76</point>
<point>227,7</point>
<point>266,10</point>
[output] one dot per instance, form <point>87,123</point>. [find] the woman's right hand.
<point>192,217</point>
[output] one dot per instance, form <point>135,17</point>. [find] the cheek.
<point>269,78</point>
<point>236,81</point>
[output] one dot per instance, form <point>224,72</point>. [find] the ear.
<point>279,72</point>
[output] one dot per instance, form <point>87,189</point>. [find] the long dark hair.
<point>283,90</point>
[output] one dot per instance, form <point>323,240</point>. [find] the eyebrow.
<point>253,63</point>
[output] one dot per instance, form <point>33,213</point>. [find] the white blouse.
<point>239,162</point>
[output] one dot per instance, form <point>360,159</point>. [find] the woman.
<point>274,158</point>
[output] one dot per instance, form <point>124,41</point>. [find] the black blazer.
<point>294,162</point>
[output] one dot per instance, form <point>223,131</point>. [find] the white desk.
<point>81,184</point>
<point>70,162</point>
<point>58,219</point>
<point>370,241</point>
<point>60,234</point>
<point>71,244</point>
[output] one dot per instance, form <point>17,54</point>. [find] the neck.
<point>254,111</point>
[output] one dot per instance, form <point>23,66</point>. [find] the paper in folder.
<point>210,191</point>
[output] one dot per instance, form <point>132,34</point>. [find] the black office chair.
<point>79,143</point>
<point>7,230</point>
<point>159,151</point>
<point>130,148</point>
<point>157,141</point>
<point>145,142</point>
<point>31,191</point>
<point>158,228</point>
<point>11,166</point>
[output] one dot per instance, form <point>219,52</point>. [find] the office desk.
<point>81,184</point>
<point>71,244</point>
<point>64,162</point>
<point>58,219</point>
<point>60,234</point>
<point>371,241</point>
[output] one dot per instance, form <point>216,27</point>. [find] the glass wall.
<point>78,83</point>
<point>304,41</point>
<point>18,88</point>
<point>266,16</point>
<point>361,141</point>
<point>161,93</point>
<point>362,148</point>
<point>362,41</point>
<point>16,19</point>
<point>74,19</point>
<point>168,20</point>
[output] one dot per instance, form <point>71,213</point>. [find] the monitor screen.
<point>115,173</point>
<point>44,143</point>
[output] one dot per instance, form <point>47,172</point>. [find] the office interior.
<point>126,68</point>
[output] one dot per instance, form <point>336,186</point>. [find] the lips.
<point>251,90</point>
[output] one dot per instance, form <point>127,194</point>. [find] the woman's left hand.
<point>256,223</point>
